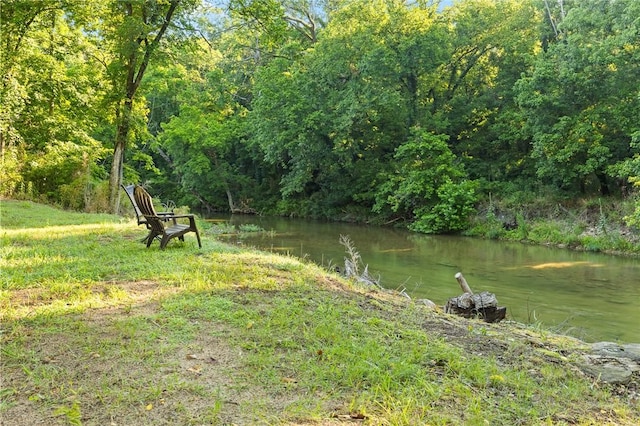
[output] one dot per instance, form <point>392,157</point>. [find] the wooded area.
<point>394,111</point>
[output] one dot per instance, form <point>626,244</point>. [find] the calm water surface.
<point>591,296</point>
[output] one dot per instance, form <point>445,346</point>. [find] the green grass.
<point>97,329</point>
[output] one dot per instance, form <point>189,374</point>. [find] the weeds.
<point>353,260</point>
<point>353,263</point>
<point>250,227</point>
<point>223,228</point>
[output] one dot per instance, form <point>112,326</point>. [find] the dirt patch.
<point>92,377</point>
<point>191,382</point>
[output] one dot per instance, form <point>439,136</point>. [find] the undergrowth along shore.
<point>97,329</point>
<point>590,224</point>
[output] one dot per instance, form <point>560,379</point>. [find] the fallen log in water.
<point>482,305</point>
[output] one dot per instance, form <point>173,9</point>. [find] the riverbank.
<point>590,224</point>
<point>97,329</point>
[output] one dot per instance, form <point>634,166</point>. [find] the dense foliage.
<point>384,110</point>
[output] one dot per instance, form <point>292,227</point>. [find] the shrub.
<point>452,210</point>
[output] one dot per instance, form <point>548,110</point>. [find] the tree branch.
<point>154,43</point>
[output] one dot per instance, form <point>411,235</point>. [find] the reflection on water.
<point>592,296</point>
<point>557,265</point>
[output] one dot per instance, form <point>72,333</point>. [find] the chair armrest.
<point>191,217</point>
<point>166,216</point>
<point>181,216</point>
<point>173,217</point>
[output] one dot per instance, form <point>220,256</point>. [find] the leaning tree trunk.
<point>232,206</point>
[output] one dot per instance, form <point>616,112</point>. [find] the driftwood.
<point>482,305</point>
<point>463,283</point>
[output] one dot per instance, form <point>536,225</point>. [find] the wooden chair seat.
<point>158,223</point>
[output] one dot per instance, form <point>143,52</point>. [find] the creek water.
<point>594,297</point>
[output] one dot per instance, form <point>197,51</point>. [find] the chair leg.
<point>198,237</point>
<point>152,236</point>
<point>144,240</point>
<point>164,241</point>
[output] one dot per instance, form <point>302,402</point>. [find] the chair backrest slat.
<point>145,203</point>
<point>129,190</point>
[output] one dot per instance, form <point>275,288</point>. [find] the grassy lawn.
<point>96,329</point>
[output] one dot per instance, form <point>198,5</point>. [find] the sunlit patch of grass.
<point>27,214</point>
<point>63,298</point>
<point>63,231</point>
<point>29,262</point>
<point>254,270</point>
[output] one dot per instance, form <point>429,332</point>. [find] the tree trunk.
<point>117,166</point>
<point>135,72</point>
<point>483,305</point>
<point>604,184</point>
<point>115,178</point>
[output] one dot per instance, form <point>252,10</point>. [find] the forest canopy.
<point>384,110</point>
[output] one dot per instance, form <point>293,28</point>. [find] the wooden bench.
<point>164,226</point>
